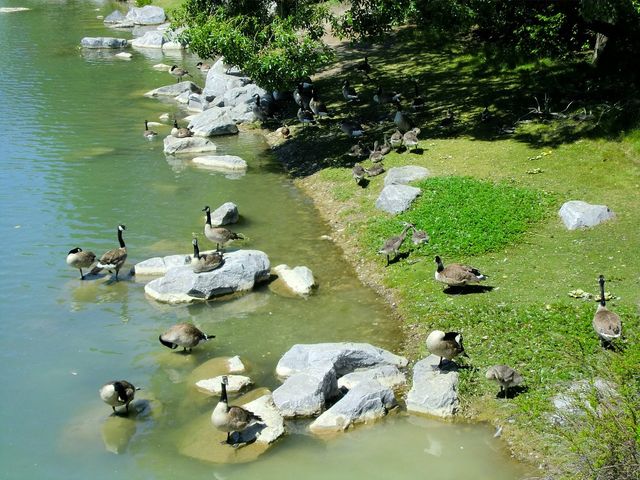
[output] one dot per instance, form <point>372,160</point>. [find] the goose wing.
<point>607,324</point>
<point>113,258</point>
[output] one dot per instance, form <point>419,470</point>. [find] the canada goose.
<point>203,67</point>
<point>448,120</point>
<point>393,244</point>
<point>113,259</point>
<point>352,128</point>
<point>419,237</point>
<point>183,335</point>
<point>376,155</point>
<point>78,258</point>
<point>386,146</point>
<point>148,133</point>
<point>506,376</point>
<point>305,117</point>
<point>402,121</point>
<point>396,139</point>
<point>301,97</point>
<point>381,97</point>
<point>218,235</point>
<point>317,106</point>
<point>205,262</point>
<point>178,72</point>
<point>410,139</point>
<point>349,93</point>
<point>358,150</point>
<point>231,419</point>
<point>375,170</point>
<point>358,173</point>
<point>418,100</point>
<point>117,393</point>
<point>607,324</point>
<point>258,110</point>
<point>456,275</point>
<point>445,345</point>
<point>180,132</point>
<point>364,67</point>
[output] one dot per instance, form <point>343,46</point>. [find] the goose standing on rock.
<point>113,259</point>
<point>606,323</point>
<point>231,419</point>
<point>118,393</point>
<point>180,132</point>
<point>393,244</point>
<point>506,376</point>
<point>218,235</point>
<point>178,72</point>
<point>183,335</point>
<point>445,345</point>
<point>78,258</point>
<point>205,262</point>
<point>258,110</point>
<point>457,275</point>
<point>149,134</point>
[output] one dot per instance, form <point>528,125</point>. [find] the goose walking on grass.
<point>358,150</point>
<point>396,139</point>
<point>231,419</point>
<point>183,335</point>
<point>358,173</point>
<point>410,139</point>
<point>448,121</point>
<point>393,244</point>
<point>218,235</point>
<point>180,132</point>
<point>317,106</point>
<point>376,155</point>
<point>205,262</point>
<point>349,93</point>
<point>506,376</point>
<point>457,275</point>
<point>364,67</point>
<point>606,323</point>
<point>445,345</point>
<point>149,134</point>
<point>178,73</point>
<point>78,258</point>
<point>417,101</point>
<point>301,96</point>
<point>113,259</point>
<point>386,146</point>
<point>118,393</point>
<point>419,237</point>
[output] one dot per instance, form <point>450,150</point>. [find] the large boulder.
<point>365,402</point>
<point>177,146</point>
<point>298,279</point>
<point>241,271</point>
<point>576,214</point>
<point>272,424</point>
<point>160,265</point>
<point>223,163</point>
<point>386,375</point>
<point>435,389</point>
<point>396,198</point>
<point>304,394</point>
<point>174,89</point>
<point>103,42</point>
<point>152,39</point>
<point>342,357</point>
<point>211,122</point>
<point>225,214</point>
<point>242,95</point>
<point>404,175</point>
<point>147,15</point>
<point>217,83</point>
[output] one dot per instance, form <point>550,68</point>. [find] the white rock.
<point>214,385</point>
<point>213,121</point>
<point>218,83</point>
<point>223,163</point>
<point>174,89</point>
<point>152,39</point>
<point>176,146</point>
<point>13,9</point>
<point>386,375</point>
<point>366,402</point>
<point>576,214</point>
<point>267,411</point>
<point>396,198</point>
<point>236,365</point>
<point>147,15</point>
<point>164,117</point>
<point>172,46</point>
<point>115,17</point>
<point>298,279</point>
<point>123,55</point>
<point>197,103</point>
<point>160,265</point>
<point>404,175</point>
<point>304,394</point>
<point>103,42</point>
<point>434,390</point>
<point>241,270</point>
<point>225,214</point>
<point>162,67</point>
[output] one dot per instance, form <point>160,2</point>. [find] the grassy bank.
<point>493,204</point>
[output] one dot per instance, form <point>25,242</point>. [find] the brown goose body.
<point>148,133</point>
<point>231,418</point>
<point>375,170</point>
<point>183,335</point>
<point>410,139</point>
<point>457,275</point>
<point>393,244</point>
<point>445,345</point>
<point>218,235</point>
<point>117,393</point>
<point>419,237</point>
<point>205,262</point>
<point>178,72</point>
<point>396,139</point>
<point>180,132</point>
<point>78,258</point>
<point>606,323</point>
<point>113,259</point>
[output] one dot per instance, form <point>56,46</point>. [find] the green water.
<point>74,164</point>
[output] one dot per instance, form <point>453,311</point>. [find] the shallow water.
<point>74,165</point>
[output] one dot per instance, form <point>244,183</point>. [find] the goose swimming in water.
<point>183,335</point>
<point>78,258</point>
<point>178,72</point>
<point>606,323</point>
<point>118,393</point>
<point>457,275</point>
<point>149,134</point>
<point>231,419</point>
<point>445,345</point>
<point>218,235</point>
<point>113,259</point>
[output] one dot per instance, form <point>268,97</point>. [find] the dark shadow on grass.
<point>468,289</point>
<point>398,257</point>
<point>512,392</point>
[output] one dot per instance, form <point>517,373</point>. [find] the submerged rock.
<point>397,198</point>
<point>174,89</point>
<point>103,42</point>
<point>298,279</point>
<point>576,214</point>
<point>213,385</point>
<point>177,146</point>
<point>241,271</point>
<point>224,163</point>
<point>434,390</point>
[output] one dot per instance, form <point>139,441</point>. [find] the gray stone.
<point>236,365</point>
<point>214,385</point>
<point>172,45</point>
<point>174,90</point>
<point>225,214</point>
<point>365,402</point>
<point>241,113</point>
<point>576,214</point>
<point>218,83</point>
<point>114,17</point>
<point>405,175</point>
<point>304,394</point>
<point>298,279</point>
<point>177,146</point>
<point>103,42</point>
<point>213,121</point>
<point>241,271</point>
<point>153,39</point>
<point>242,95</point>
<point>434,390</point>
<point>147,15</point>
<point>396,198</point>
<point>197,103</point>
<point>265,408</point>
<point>224,163</point>
<point>183,98</point>
<point>160,265</point>
<point>386,375</point>
<point>575,401</point>
<point>342,357</point>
